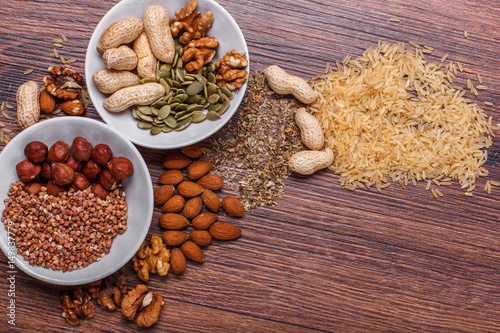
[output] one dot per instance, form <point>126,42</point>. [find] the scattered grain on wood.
<point>488,103</point>
<point>466,34</point>
<point>28,71</point>
<point>58,45</point>
<point>394,19</point>
<point>64,38</point>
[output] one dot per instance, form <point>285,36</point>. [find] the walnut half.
<point>191,22</point>
<point>148,305</point>
<point>230,72</point>
<point>154,259</point>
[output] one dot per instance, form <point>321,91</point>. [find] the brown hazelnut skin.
<point>36,152</point>
<point>107,180</point>
<point>74,164</point>
<point>121,168</point>
<point>54,189</point>
<point>80,182</point>
<point>62,174</point>
<point>27,171</point>
<point>100,191</point>
<point>81,149</point>
<point>46,167</point>
<point>102,154</point>
<point>58,152</point>
<point>91,170</point>
<point>33,187</point>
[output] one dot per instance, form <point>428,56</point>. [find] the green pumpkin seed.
<point>214,107</point>
<point>158,122</point>
<point>205,92</point>
<point>189,77</point>
<point>227,92</point>
<point>173,104</point>
<point>164,112</point>
<point>165,68</point>
<point>179,63</point>
<point>187,83</point>
<point>155,130</point>
<point>187,115</point>
<point>144,125</point>
<point>212,88</point>
<point>158,63</point>
<point>214,98</point>
<point>211,67</point>
<point>179,73</point>
<point>147,80</point>
<point>223,108</point>
<point>205,71</point>
<point>181,107</point>
<point>155,111</point>
<point>134,113</point>
<point>170,121</point>
<point>164,75</point>
<point>198,117</point>
<point>212,115</point>
<point>147,118</point>
<point>176,84</point>
<point>159,104</point>
<point>201,78</point>
<point>167,129</point>
<point>211,77</point>
<point>177,100</point>
<point>202,101</point>
<point>145,110</point>
<point>194,107</point>
<point>194,88</point>
<point>182,97</point>
<point>183,124</point>
<point>193,99</point>
<point>176,56</point>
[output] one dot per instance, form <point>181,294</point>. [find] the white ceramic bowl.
<point>138,190</point>
<point>224,28</point>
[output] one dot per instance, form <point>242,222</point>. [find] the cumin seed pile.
<point>251,153</point>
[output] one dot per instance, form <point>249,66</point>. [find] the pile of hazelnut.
<point>62,166</point>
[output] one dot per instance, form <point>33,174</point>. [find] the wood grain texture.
<point>324,258</point>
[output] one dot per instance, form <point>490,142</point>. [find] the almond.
<point>198,169</point>
<point>47,102</point>
<point>174,237</point>
<point>192,151</point>
<point>192,207</point>
<point>210,200</point>
<point>224,231</point>
<point>204,220</point>
<point>73,108</point>
<point>171,221</point>
<point>192,251</point>
<point>171,177</point>
<point>177,261</point>
<point>200,237</point>
<point>211,181</point>
<point>174,204</point>
<point>176,160</point>
<point>233,206</point>
<point>189,189</point>
<point>163,193</point>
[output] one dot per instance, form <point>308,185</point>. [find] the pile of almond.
<point>184,200</point>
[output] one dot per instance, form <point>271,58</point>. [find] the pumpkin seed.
<point>179,72</point>
<point>147,80</point>
<point>155,111</point>
<point>167,129</point>
<point>169,81</point>
<point>145,110</point>
<point>147,118</point>
<point>214,98</point>
<point>176,56</point>
<point>212,115</point>
<point>159,104</point>
<point>164,75</point>
<point>202,101</point>
<point>198,117</point>
<point>211,67</point>
<point>201,78</point>
<point>205,91</point>
<point>164,112</point>
<point>211,77</point>
<point>158,63</point>
<point>173,104</point>
<point>212,88</point>
<point>194,88</point>
<point>182,97</point>
<point>155,130</point>
<point>144,125</point>
<point>176,84</point>
<point>214,107</point>
<point>170,121</point>
<point>193,99</point>
<point>227,92</point>
<point>183,124</point>
<point>177,100</point>
<point>165,68</point>
<point>223,108</point>
<point>194,107</point>
<point>158,122</point>
<point>189,77</point>
<point>179,63</point>
<point>187,115</point>
<point>181,107</point>
<point>134,113</point>
<point>187,82</point>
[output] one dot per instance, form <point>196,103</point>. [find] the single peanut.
<point>28,104</point>
<point>311,132</point>
<point>122,31</point>
<point>157,27</point>
<point>309,161</point>
<point>143,94</point>
<point>122,58</point>
<point>283,83</point>
<point>146,61</point>
<point>109,81</point>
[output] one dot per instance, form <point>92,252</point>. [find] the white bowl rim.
<point>24,265</point>
<point>104,114</point>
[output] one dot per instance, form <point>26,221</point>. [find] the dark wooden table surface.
<point>324,258</point>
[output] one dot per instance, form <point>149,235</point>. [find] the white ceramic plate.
<point>138,190</point>
<point>224,28</point>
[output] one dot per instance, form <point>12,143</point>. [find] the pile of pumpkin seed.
<point>189,98</point>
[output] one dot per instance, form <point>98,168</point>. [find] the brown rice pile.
<point>391,116</point>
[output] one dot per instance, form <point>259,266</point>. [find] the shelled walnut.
<point>148,305</point>
<point>191,22</point>
<point>199,52</point>
<point>229,70</point>
<point>111,296</point>
<point>77,307</point>
<point>154,259</point>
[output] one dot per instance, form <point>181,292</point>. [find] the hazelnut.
<point>107,180</point>
<point>101,154</point>
<point>74,164</point>
<point>121,167</point>
<point>54,189</point>
<point>91,170</point>
<point>36,152</point>
<point>81,149</point>
<point>58,152</point>
<point>33,187</point>
<point>27,171</point>
<point>62,174</point>
<point>80,182</point>
<point>46,167</point>
<point>98,190</point>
